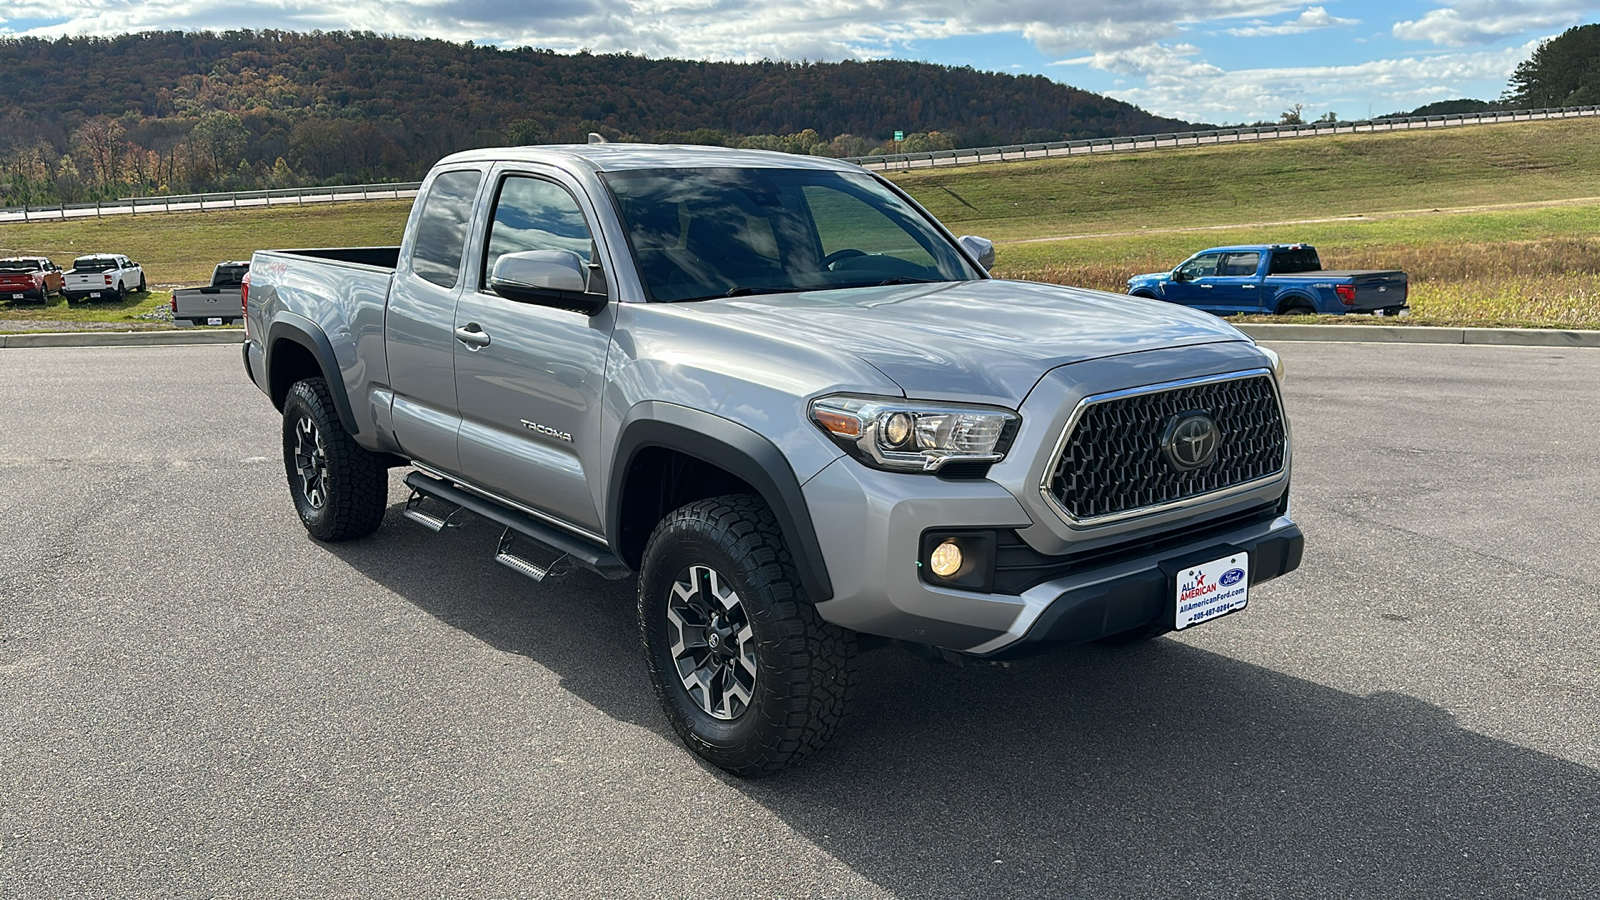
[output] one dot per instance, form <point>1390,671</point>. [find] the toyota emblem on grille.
<point>1191,441</point>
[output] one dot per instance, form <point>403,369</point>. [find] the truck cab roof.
<point>625,157</point>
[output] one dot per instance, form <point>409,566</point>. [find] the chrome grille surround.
<point>1126,427</point>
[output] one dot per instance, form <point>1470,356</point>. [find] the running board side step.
<point>575,550</point>
<point>555,571</point>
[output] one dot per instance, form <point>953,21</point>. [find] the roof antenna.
<point>597,139</point>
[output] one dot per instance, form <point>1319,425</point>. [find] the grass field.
<point>1496,225</point>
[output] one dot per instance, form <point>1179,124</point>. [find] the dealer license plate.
<point>214,320</point>
<point>1212,590</point>
<point>94,293</point>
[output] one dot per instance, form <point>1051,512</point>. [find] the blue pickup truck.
<point>1286,279</point>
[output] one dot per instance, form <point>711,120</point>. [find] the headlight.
<point>1276,360</point>
<point>912,435</point>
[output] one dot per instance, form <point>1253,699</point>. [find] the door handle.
<point>473,335</point>
<point>1248,287</point>
<point>1205,287</point>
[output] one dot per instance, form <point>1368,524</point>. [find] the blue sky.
<point>1220,61</point>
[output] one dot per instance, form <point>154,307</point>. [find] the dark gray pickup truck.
<point>787,401</point>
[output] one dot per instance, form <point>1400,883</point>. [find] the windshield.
<point>94,263</point>
<point>724,232</point>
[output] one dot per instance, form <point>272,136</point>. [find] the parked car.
<point>24,277</point>
<point>1287,279</point>
<point>219,303</point>
<point>782,396</point>
<point>102,274</point>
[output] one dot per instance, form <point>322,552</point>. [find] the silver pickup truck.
<point>218,303</point>
<point>787,400</point>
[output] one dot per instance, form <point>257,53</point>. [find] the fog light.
<point>945,559</point>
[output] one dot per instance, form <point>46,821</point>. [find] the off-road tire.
<point>804,667</point>
<point>349,487</point>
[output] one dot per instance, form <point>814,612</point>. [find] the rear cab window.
<point>1290,261</point>
<point>441,236</point>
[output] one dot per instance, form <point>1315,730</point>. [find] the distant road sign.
<point>899,135</point>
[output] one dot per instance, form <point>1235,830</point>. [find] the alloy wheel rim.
<point>713,646</point>
<point>311,461</point>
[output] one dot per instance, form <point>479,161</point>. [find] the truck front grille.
<point>1113,463</point>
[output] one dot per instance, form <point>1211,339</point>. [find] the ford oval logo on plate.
<point>1231,577</point>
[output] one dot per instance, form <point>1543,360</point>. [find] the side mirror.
<point>1180,275</point>
<point>555,278</point>
<point>980,249</point>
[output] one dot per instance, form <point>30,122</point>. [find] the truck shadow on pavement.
<point>1156,770</point>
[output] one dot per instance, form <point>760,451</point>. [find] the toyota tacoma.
<point>790,404</point>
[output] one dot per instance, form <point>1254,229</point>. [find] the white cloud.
<point>699,29</point>
<point>1487,21</point>
<point>1313,19</point>
<point>1178,85</point>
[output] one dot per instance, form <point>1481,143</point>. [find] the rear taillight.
<point>1347,293</point>
<point>174,302</point>
<point>108,279</point>
<point>244,301</point>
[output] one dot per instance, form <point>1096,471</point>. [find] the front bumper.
<point>873,545</point>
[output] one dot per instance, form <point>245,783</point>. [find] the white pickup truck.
<point>102,275</point>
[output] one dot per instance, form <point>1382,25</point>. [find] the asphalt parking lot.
<point>196,700</point>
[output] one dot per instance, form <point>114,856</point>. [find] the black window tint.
<point>442,227</point>
<point>534,214</point>
<point>1287,262</point>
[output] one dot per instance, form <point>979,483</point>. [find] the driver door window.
<point>534,214</point>
<point>1201,266</point>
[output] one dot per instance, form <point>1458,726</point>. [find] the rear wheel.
<point>750,676</point>
<point>340,488</point>
<point>1299,309</point>
<point>141,287</point>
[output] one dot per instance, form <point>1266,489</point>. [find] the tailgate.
<point>207,302</point>
<point>1379,290</point>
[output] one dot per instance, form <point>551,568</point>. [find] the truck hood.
<point>989,341</point>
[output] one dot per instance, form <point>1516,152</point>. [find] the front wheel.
<point>339,488</point>
<point>750,676</point>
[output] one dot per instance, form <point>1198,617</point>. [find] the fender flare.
<point>1293,298</point>
<point>298,329</point>
<point>737,449</point>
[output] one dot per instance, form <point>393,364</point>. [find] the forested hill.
<point>223,108</point>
